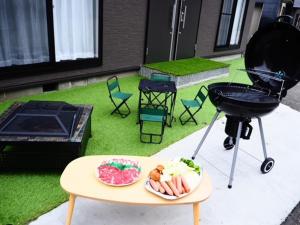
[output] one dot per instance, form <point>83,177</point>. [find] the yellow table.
<point>79,179</point>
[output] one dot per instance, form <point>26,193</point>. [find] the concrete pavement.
<point>293,100</point>
<point>255,199</point>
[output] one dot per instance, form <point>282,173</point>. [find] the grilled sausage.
<point>154,185</point>
<point>173,188</point>
<point>174,181</point>
<point>167,188</point>
<point>185,185</point>
<point>179,184</point>
<point>161,189</point>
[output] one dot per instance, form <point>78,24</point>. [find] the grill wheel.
<point>229,143</point>
<point>267,165</point>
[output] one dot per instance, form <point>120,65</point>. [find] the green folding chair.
<point>154,114</point>
<point>117,97</point>
<point>154,98</point>
<point>160,77</point>
<point>196,104</point>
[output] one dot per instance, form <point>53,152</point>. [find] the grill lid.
<point>274,52</point>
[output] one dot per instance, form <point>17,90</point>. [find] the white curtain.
<point>237,24</point>
<point>23,32</point>
<point>75,29</point>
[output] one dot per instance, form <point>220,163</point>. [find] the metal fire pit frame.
<point>36,152</point>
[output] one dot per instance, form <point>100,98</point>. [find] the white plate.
<point>194,185</point>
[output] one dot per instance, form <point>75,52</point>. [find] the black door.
<point>188,22</point>
<point>172,29</point>
<point>160,30</point>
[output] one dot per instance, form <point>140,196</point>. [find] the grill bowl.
<point>241,100</point>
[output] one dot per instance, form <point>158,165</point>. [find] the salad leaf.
<point>190,163</point>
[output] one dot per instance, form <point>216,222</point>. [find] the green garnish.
<point>190,163</point>
<point>121,166</point>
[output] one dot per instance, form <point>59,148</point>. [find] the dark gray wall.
<point>208,27</point>
<point>124,29</point>
<point>270,11</point>
<point>124,24</point>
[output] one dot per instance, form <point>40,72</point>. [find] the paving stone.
<point>255,199</point>
<point>292,100</point>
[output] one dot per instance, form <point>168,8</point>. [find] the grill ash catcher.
<point>272,64</point>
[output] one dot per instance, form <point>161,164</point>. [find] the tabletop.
<point>79,178</point>
<point>157,86</point>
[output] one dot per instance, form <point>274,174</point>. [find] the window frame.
<point>229,46</point>
<point>297,21</point>
<point>52,65</point>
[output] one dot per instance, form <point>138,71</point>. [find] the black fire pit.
<point>43,135</point>
<point>272,63</point>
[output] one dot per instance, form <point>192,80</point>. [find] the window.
<point>297,21</point>
<point>231,24</point>
<point>75,29</point>
<point>23,32</point>
<point>49,32</point>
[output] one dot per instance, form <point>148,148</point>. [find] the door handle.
<point>184,17</point>
<point>173,17</point>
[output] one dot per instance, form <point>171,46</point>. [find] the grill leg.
<point>236,148</point>
<point>206,133</point>
<point>262,137</point>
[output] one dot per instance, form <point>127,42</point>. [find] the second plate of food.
<point>174,179</point>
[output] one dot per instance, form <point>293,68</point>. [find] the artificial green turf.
<point>186,66</point>
<point>25,196</point>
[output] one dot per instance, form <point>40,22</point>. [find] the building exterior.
<point>271,9</point>
<point>92,38</point>
<point>296,13</point>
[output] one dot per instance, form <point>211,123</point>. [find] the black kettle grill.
<point>272,62</point>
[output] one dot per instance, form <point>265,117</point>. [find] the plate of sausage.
<point>174,179</point>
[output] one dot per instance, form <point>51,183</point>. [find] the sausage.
<point>185,185</point>
<point>179,184</point>
<point>154,185</point>
<point>167,188</point>
<point>174,181</point>
<point>173,188</point>
<point>161,189</point>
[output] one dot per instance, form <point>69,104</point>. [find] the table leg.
<point>196,208</point>
<point>70,209</point>
<point>139,107</point>
<point>173,100</point>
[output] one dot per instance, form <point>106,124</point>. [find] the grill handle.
<point>246,131</point>
<point>270,75</point>
<point>219,96</point>
<point>285,19</point>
